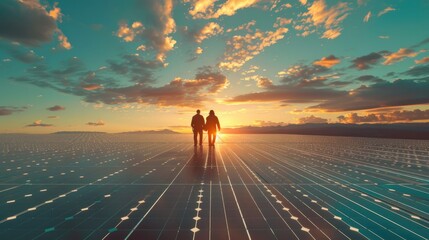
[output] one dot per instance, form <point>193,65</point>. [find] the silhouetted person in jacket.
<point>197,125</point>
<point>211,123</point>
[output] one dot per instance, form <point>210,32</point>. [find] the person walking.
<point>212,125</point>
<point>197,125</point>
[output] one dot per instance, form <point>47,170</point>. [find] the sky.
<point>115,66</point>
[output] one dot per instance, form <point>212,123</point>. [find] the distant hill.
<point>397,130</point>
<point>164,131</point>
<point>78,132</point>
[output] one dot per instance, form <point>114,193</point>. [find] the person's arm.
<point>192,123</point>
<point>217,123</point>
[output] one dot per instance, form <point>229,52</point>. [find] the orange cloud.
<point>386,10</point>
<point>209,30</point>
<point>64,41</point>
<point>92,87</point>
<point>55,13</point>
<point>127,33</point>
<point>201,8</point>
<point>230,7</point>
<point>367,17</point>
<point>199,50</point>
<point>327,62</point>
<point>312,119</point>
<point>38,123</point>
<point>399,56</point>
<point>96,124</point>
<point>395,116</point>
<point>205,8</point>
<point>423,60</point>
<point>319,14</point>
<point>241,49</point>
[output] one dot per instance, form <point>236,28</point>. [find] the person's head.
<point>198,111</point>
<point>211,112</point>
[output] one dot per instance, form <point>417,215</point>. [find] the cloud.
<point>319,14</point>
<point>281,22</point>
<point>141,48</point>
<point>370,78</point>
<point>209,30</point>
<point>399,56</point>
<point>262,123</point>
<point>365,62</point>
<point>56,108</point>
<point>9,110</point>
<point>201,8</point>
<point>245,26</point>
<point>26,22</point>
<point>206,8</point>
<point>264,82</point>
<point>241,49</point>
<point>383,94</point>
<point>129,33</point>
<point>64,41</point>
<point>395,116</point>
<point>327,62</point>
<point>367,17</point>
<point>29,22</point>
<point>417,71</point>
<point>92,87</point>
<point>23,56</point>
<point>312,119</point>
<point>96,124</point>
<point>230,7</point>
<point>422,43</point>
<point>55,13</point>
<point>386,10</point>
<point>297,89</point>
<point>423,60</point>
<point>198,50</point>
<point>38,123</point>
<point>158,30</point>
<point>179,92</point>
<point>302,73</point>
<point>163,25</point>
<point>303,2</point>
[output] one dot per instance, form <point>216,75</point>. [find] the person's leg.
<point>195,137</point>
<point>209,135</point>
<point>201,137</point>
<point>214,138</point>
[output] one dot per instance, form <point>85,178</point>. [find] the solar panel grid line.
<point>394,223</point>
<point>280,202</point>
<point>367,191</point>
<point>372,166</point>
<point>251,195</point>
<point>222,197</point>
<point>301,173</point>
<point>278,213</point>
<point>51,200</point>
<point>325,194</point>
<point>235,197</point>
<point>297,208</point>
<point>166,189</point>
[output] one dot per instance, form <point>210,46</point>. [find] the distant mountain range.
<point>397,130</point>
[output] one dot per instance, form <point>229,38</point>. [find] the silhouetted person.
<point>197,125</point>
<point>211,123</point>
